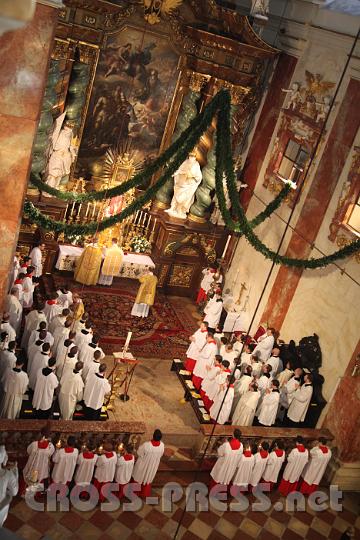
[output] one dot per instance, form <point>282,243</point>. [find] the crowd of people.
<point>242,379</point>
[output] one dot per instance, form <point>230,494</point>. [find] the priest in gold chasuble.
<point>146,295</point>
<point>112,263</point>
<point>88,266</point>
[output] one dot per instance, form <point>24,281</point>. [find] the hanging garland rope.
<point>172,158</point>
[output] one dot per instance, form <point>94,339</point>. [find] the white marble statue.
<point>61,152</point>
<point>294,95</point>
<point>186,181</point>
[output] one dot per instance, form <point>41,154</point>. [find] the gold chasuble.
<point>113,260</point>
<point>147,290</point>
<point>88,266</point>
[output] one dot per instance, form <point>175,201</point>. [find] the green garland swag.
<point>178,152</point>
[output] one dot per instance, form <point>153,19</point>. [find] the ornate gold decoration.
<point>194,239</point>
<point>153,9</point>
<point>61,49</point>
<point>187,250</point>
<point>181,275</point>
<point>163,273</point>
<point>198,81</point>
<point>343,241</point>
<point>88,53</point>
<point>196,219</point>
<point>28,227</point>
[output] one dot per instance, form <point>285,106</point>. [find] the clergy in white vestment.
<point>59,321</point>
<point>274,464</point>
<point>229,454</point>
<point>39,361</point>
<point>244,412</point>
<point>86,354</point>
<point>206,281</point>
<point>3,455</point>
<point>113,257</point>
<point>15,383</point>
<point>296,461</point>
<point>32,321</point>
<point>105,470</point>
<point>206,358</point>
<point>28,288</point>
<point>265,345</point>
<point>36,259</point>
<point>35,334</point>
<point>213,311</point>
<point>243,472</point>
<point>71,391</point>
<point>14,308</point>
<point>35,348</point>
<point>124,470</point>
<point>230,355</point>
<point>60,334</point>
<point>64,347</point>
<point>65,297</point>
<point>45,386</point>
<point>39,453</point>
<point>18,285</point>
<point>260,460</point>
<point>9,487</point>
<point>270,404</point>
<point>275,362</point>
<point>65,462</point>
<point>209,385</point>
<point>84,337</point>
<point>221,408</point>
<point>14,270</point>
<point>197,341</point>
<point>70,362</point>
<point>315,469</point>
<point>7,360</point>
<point>257,366</point>
<point>245,358</point>
<point>91,367</point>
<point>301,401</point>
<point>285,375</point>
<point>149,455</point>
<point>288,390</point>
<point>52,308</point>
<point>96,388</point>
<point>86,462</point>
<point>5,326</point>
<point>264,383</point>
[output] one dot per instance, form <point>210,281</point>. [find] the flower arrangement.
<point>140,244</point>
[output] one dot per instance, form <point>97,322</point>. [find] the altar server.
<point>62,351</point>
<point>274,464</point>
<point>86,353</point>
<point>60,334</point>
<point>221,408</point>
<point>15,383</point>
<point>7,359</point>
<point>88,265</point>
<point>71,391</point>
<point>301,401</point>
<point>265,345</point>
<point>124,470</point>
<point>36,258</point>
<point>146,294</point>
<point>5,326</point>
<point>28,288</point>
<point>147,463</point>
<point>209,385</point>
<point>230,355</point>
<point>96,388</point>
<point>296,462</point>
<point>84,336</point>
<point>18,285</point>
<point>275,362</point>
<point>229,454</point>
<point>39,361</point>
<point>59,320</point>
<point>270,404</point>
<point>92,366</point>
<point>113,257</point>
<point>257,365</point>
<point>65,462</point>
<point>197,341</point>
<point>45,386</point>
<point>105,470</point>
<point>70,362</point>
<point>32,321</point>
<point>260,461</point>
<point>243,472</point>
<point>65,297</point>
<point>213,311</point>
<point>207,279</point>
<point>14,308</point>
<point>245,410</point>
<point>39,453</point>
<point>34,336</point>
<point>206,358</point>
<point>52,308</point>
<point>315,469</point>
<point>86,462</point>
<point>9,486</point>
<point>35,348</point>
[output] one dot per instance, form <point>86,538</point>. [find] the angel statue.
<point>154,8</point>
<point>61,152</point>
<point>294,95</point>
<point>316,87</point>
<point>186,181</point>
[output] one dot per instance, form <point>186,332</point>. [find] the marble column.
<point>25,56</point>
<point>326,177</point>
<point>266,124</point>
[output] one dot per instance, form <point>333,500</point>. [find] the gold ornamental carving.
<point>181,275</point>
<point>343,241</point>
<point>195,240</point>
<point>163,273</point>
<point>154,9</point>
<point>198,81</point>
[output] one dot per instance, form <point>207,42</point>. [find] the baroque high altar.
<point>125,79</point>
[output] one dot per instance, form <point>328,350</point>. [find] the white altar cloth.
<point>132,267</point>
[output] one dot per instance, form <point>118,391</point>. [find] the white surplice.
<point>225,409</point>
<point>213,313</point>
<point>71,392</point>
<point>9,486</point>
<point>89,369</point>
<point>65,463</point>
<point>124,470</point>
<point>206,358</point>
<point>44,391</point>
<point>296,462</point>
<point>209,383</point>
<point>36,261</point>
<point>245,409</point>
<point>269,408</point>
<point>273,466</point>
<point>69,366</point>
<point>227,463</point>
<point>64,299</point>
<point>60,334</point>
<point>264,347</point>
<point>288,391</point>
<point>260,463</point>
<point>38,362</point>
<point>52,310</point>
<point>96,388</point>
<point>148,461</point>
<point>57,322</point>
<point>14,308</point>
<point>39,460</point>
<point>32,321</point>
<point>83,338</point>
<point>86,462</point>
<point>300,403</point>
<point>105,467</point>
<point>6,327</point>
<point>86,354</point>
<point>285,376</point>
<point>276,365</point>
<point>197,343</point>
<point>61,354</point>
<point>28,291</point>
<point>244,470</point>
<point>7,362</point>
<point>15,383</point>
<point>314,470</point>
<point>34,336</point>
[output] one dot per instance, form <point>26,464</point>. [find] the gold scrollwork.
<point>61,49</point>
<point>198,81</point>
<point>343,241</point>
<point>162,275</point>
<point>195,239</point>
<point>181,275</point>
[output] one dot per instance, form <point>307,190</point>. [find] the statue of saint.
<point>61,152</point>
<point>186,181</point>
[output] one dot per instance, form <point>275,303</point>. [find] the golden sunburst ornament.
<point>120,164</point>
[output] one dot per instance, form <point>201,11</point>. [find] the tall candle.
<point>153,229</point>
<point>87,210</point>
<point>94,210</point>
<point>226,246</point>
<point>128,337</point>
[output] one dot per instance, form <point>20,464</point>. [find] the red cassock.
<point>201,297</point>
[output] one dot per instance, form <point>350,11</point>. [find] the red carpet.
<point>163,334</point>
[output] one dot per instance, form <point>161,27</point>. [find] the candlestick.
<point>93,211</point>
<point>128,337</point>
<point>145,215</point>
<point>226,246</point>
<point>136,216</point>
<point>153,229</point>
<point>87,210</point>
